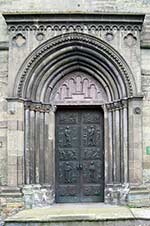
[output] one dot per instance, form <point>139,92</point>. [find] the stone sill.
<point>138,192</point>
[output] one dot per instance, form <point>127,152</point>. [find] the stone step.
<point>81,215</point>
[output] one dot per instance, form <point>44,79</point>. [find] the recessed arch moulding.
<point>79,69</point>
<point>73,52</point>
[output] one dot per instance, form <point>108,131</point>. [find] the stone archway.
<point>55,67</point>
<point>79,138</point>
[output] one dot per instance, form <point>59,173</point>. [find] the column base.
<point>37,195</point>
<point>116,194</point>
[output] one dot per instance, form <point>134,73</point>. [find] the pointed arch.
<point>67,53</point>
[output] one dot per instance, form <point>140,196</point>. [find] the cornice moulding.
<point>145,44</point>
<point>15,18</point>
<point>4,45</point>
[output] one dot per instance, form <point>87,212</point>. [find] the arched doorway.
<point>79,138</point>
<point>76,70</point>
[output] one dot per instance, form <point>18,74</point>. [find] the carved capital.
<point>53,108</point>
<point>108,107</point>
<point>124,103</point>
<point>117,105</point>
<point>37,107</point>
<point>27,104</point>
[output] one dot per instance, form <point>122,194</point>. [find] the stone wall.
<point>145,74</point>
<point>3,115</point>
<point>77,5</point>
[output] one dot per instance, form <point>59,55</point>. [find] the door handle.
<point>79,167</point>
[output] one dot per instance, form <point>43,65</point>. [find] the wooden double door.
<point>79,155</point>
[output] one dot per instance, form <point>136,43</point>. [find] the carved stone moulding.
<point>37,106</point>
<point>60,43</point>
<point>117,105</point>
<point>73,27</point>
<point>78,88</point>
<point>73,22</point>
<point>130,40</point>
<point>19,40</point>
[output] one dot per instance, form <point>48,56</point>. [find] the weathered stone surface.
<point>11,202</point>
<point>3,116</point>
<point>81,215</point>
<point>69,212</point>
<point>37,196</point>
<point>117,194</point>
<point>57,5</point>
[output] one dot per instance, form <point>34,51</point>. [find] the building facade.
<point>74,119</point>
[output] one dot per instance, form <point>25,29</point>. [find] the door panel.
<point>79,156</point>
<point>67,157</point>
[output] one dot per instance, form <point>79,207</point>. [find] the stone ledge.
<point>145,44</point>
<point>10,192</point>
<point>81,214</point>
<point>13,17</point>
<point>4,45</point>
<point>73,212</point>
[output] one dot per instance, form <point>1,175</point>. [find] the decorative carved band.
<point>71,27</point>
<point>38,107</point>
<point>73,21</point>
<point>46,108</point>
<point>117,105</point>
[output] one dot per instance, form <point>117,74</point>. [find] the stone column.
<point>38,155</point>
<point>124,143</point>
<point>42,148</point>
<point>117,153</point>
<point>32,142</point>
<point>48,149</point>
<point>51,141</point>
<point>116,139</point>
<point>27,144</point>
<point>108,147</point>
<point>37,146</point>
<point>36,143</point>
<point>15,142</point>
